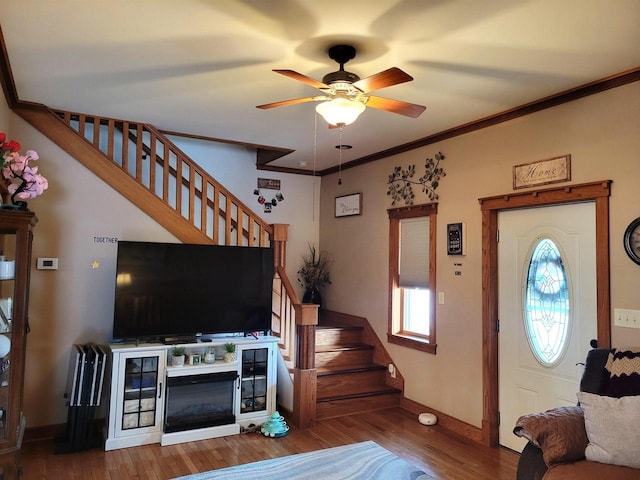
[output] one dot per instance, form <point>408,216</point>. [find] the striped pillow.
<point>623,366</point>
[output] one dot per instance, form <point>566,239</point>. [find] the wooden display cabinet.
<point>16,236</point>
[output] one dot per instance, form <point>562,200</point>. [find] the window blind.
<point>414,253</point>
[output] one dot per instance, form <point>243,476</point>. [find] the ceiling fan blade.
<point>293,101</point>
<point>386,78</point>
<point>302,78</point>
<point>395,106</point>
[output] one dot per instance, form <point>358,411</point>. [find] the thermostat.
<point>47,264</point>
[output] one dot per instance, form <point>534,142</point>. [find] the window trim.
<point>396,335</point>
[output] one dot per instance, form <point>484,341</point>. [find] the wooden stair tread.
<point>342,348</point>
<point>338,369</point>
<point>336,326</point>
<point>367,392</point>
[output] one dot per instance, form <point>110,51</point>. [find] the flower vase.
<point>312,295</point>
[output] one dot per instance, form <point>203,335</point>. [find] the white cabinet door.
<point>137,402</point>
<point>257,390</point>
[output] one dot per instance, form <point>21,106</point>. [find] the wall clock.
<point>632,240</point>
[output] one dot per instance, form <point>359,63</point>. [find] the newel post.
<point>279,238</point>
<point>305,374</point>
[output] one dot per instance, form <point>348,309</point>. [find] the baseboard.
<point>52,432</point>
<point>450,423</point>
<point>47,432</point>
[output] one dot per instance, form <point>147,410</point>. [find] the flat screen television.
<point>167,290</point>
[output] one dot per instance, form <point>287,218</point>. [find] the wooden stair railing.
<point>144,166</point>
<point>158,165</point>
<point>294,323</point>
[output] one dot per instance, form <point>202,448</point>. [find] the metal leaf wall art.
<point>401,181</point>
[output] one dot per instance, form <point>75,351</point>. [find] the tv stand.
<point>139,378</point>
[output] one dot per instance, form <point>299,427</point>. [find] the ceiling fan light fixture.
<point>340,111</point>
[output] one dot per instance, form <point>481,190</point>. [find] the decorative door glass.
<point>140,392</point>
<point>254,380</point>
<point>546,307</point>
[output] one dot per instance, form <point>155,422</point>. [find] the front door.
<point>547,308</point>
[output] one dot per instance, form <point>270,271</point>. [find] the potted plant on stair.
<point>314,274</point>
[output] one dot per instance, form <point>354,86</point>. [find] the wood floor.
<point>441,454</point>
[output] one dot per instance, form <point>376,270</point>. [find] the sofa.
<point>597,439</point>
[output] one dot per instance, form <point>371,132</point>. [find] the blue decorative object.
<point>276,426</point>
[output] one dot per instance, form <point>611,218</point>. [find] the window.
<point>546,309</point>
<point>412,275</point>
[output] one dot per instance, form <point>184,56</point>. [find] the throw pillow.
<point>623,366</point>
<point>612,428</point>
<point>558,432</point>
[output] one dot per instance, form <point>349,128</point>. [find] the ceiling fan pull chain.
<point>340,158</point>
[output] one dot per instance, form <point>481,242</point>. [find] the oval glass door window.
<point>546,303</point>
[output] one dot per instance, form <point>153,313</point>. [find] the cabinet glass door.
<point>7,293</point>
<point>254,380</point>
<point>140,392</point>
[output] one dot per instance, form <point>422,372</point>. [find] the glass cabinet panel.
<point>7,288</point>
<point>15,264</point>
<point>254,380</point>
<point>140,392</point>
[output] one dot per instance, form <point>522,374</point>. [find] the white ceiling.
<point>201,66</point>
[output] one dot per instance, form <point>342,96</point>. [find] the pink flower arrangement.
<point>24,181</point>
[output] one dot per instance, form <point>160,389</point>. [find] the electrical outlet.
<point>392,370</point>
<point>626,318</point>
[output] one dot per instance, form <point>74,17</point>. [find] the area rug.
<point>358,461</point>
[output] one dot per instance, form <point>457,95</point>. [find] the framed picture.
<point>348,205</point>
<point>456,239</point>
<point>543,172</point>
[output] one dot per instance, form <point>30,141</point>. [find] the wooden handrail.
<point>284,316</point>
<point>159,166</point>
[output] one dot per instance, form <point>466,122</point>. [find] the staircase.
<point>352,374</point>
<point>141,163</point>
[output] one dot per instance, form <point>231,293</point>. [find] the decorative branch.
<point>400,181</point>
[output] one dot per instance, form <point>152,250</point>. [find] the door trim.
<point>597,192</point>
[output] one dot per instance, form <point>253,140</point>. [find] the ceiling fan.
<point>345,95</point>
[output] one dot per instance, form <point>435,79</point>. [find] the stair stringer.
<point>98,163</point>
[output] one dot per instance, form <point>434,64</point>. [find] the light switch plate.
<point>626,318</point>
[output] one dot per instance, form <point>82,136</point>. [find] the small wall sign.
<point>269,183</point>
<point>543,172</point>
<point>455,239</point>
<point>348,205</point>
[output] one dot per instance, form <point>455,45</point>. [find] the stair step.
<point>332,335</point>
<point>343,347</point>
<point>356,354</point>
<point>347,384</point>
<point>339,407</point>
<point>351,368</point>
<point>365,393</point>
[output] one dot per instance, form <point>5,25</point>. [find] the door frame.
<point>597,192</point>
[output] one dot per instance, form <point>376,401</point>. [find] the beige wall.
<point>600,132</point>
<point>75,303</point>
